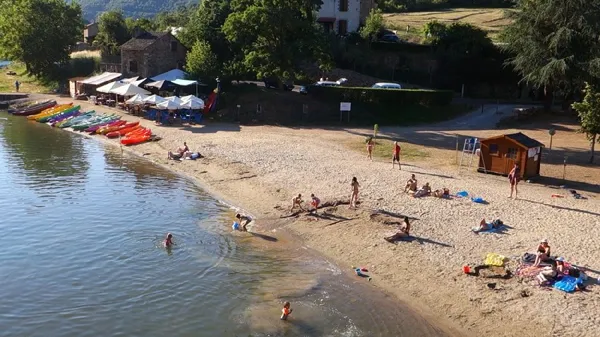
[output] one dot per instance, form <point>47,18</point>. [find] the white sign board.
<point>345,106</point>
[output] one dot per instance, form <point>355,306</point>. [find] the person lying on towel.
<point>404,232</point>
<point>484,225</point>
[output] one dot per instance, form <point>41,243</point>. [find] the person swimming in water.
<point>168,242</point>
<point>286,311</point>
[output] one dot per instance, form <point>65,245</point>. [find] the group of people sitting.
<point>184,153</point>
<point>425,190</point>
<point>297,203</point>
<point>555,267</point>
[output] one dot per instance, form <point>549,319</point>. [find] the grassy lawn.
<point>384,149</point>
<point>491,20</point>
<point>28,84</point>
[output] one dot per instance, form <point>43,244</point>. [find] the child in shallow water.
<point>286,311</point>
<point>168,242</point>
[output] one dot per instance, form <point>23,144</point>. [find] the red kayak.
<point>137,137</point>
<point>122,132</point>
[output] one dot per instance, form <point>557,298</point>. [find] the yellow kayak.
<point>51,111</point>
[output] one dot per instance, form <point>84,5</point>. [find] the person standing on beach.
<point>314,202</point>
<point>17,85</point>
<point>370,146</point>
<point>396,156</point>
<point>354,198</point>
<point>513,177</point>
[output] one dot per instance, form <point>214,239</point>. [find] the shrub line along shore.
<point>260,168</point>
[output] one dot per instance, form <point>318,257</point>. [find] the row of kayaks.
<point>31,108</point>
<point>110,125</point>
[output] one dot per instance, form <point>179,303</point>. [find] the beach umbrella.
<point>168,105</point>
<point>160,85</point>
<point>154,99</point>
<point>191,104</point>
<point>137,99</point>
<point>129,90</point>
<point>192,98</point>
<point>107,88</point>
<point>174,99</point>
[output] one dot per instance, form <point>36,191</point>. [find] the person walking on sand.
<point>354,198</point>
<point>370,146</point>
<point>396,155</point>
<point>297,201</point>
<point>513,177</point>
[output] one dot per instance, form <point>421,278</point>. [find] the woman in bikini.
<point>513,177</point>
<point>354,198</point>
<point>402,233</point>
<point>543,253</point>
<point>370,146</point>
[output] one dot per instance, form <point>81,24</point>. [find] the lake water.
<point>82,226</point>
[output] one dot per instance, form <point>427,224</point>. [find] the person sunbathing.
<point>548,274</point>
<point>543,253</point>
<point>404,232</point>
<point>560,266</point>
<point>443,193</point>
<point>423,191</point>
<point>411,185</point>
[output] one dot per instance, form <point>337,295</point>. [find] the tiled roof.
<point>142,41</point>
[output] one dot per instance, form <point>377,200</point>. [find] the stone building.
<point>89,32</point>
<point>148,54</point>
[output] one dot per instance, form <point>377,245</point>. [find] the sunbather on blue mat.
<point>485,226</point>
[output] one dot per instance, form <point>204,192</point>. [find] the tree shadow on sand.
<point>422,240</point>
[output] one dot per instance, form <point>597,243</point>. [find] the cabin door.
<point>510,158</point>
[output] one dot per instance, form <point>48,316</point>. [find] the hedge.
<point>388,97</point>
<point>404,47</point>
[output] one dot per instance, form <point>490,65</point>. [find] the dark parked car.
<point>390,38</point>
<point>271,83</point>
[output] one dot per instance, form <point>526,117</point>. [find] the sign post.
<point>551,132</point>
<point>345,106</point>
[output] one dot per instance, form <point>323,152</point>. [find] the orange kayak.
<point>119,127</point>
<point>111,127</point>
<point>135,137</point>
<point>122,132</point>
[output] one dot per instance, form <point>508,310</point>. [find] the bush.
<point>401,47</point>
<point>388,97</point>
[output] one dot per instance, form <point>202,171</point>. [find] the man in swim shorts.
<point>396,156</point>
<point>297,202</point>
<point>314,202</point>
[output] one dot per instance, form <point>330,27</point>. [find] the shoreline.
<point>412,273</point>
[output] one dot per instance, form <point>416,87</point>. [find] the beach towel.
<point>462,194</point>
<point>567,283</point>
<point>528,271</point>
<point>478,200</point>
<point>493,259</point>
<point>490,229</point>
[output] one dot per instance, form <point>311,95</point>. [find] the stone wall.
<point>155,59</point>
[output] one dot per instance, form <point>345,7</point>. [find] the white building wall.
<point>331,9</point>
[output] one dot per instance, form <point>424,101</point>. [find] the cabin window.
<point>173,45</point>
<point>343,5</point>
<point>494,149</point>
<point>133,66</point>
<point>512,153</point>
<point>342,27</point>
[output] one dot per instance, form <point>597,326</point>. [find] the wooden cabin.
<point>499,154</point>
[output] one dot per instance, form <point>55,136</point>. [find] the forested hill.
<point>131,8</point>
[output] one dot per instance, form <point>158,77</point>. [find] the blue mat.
<point>567,283</point>
<point>501,228</point>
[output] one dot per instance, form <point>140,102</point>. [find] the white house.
<point>344,16</point>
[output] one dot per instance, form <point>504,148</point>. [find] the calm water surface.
<point>82,225</point>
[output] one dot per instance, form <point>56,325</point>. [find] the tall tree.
<point>277,36</point>
<point>39,33</point>
<point>373,25</point>
<point>555,43</point>
<point>133,25</point>
<point>201,62</point>
<point>589,114</point>
<point>112,33</point>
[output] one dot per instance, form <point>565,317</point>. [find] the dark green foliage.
<point>390,97</point>
<point>39,33</point>
<point>390,6</point>
<point>112,33</point>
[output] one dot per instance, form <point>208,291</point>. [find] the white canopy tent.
<point>185,83</point>
<point>101,79</point>
<point>192,98</point>
<point>138,82</point>
<point>174,99</point>
<point>194,105</point>
<point>129,90</point>
<point>170,75</point>
<point>130,80</point>
<point>168,105</point>
<point>154,99</point>
<point>137,99</point>
<point>107,88</point>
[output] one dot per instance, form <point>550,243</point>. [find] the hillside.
<point>134,8</point>
<point>491,20</point>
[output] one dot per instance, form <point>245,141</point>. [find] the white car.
<point>330,83</point>
<point>383,85</point>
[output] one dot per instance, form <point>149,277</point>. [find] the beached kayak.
<point>93,129</point>
<point>72,121</point>
<point>118,128</point>
<point>35,109</point>
<point>46,118</point>
<point>49,111</point>
<point>111,127</point>
<point>122,132</point>
<point>135,137</point>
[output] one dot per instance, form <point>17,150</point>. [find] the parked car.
<point>303,90</point>
<point>385,85</point>
<point>273,83</point>
<point>331,83</point>
<point>390,38</point>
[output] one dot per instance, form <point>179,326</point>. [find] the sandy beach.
<point>260,168</point>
